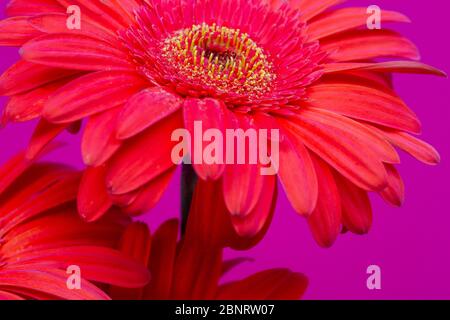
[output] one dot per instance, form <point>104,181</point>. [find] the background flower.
<point>41,235</point>
<point>191,269</point>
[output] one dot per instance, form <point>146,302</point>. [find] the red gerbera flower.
<point>41,235</point>
<point>139,69</point>
<point>190,269</point>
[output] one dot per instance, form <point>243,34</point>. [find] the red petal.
<point>135,244</point>
<point>274,284</point>
<point>144,157</point>
<point>24,185</point>
<point>390,66</point>
<point>145,109</point>
<point>356,207</point>
<point>52,282</point>
<point>99,140</point>
<point>57,23</point>
<point>91,94</point>
<point>93,200</point>
<point>9,296</point>
<point>32,7</point>
<point>210,114</point>
<point>297,175</point>
<point>216,230</point>
<point>28,106</point>
<point>341,143</point>
<point>162,261</point>
<point>59,193</point>
<point>364,103</point>
<point>419,149</point>
<point>43,135</point>
<point>345,19</point>
<point>395,191</point>
<point>30,76</point>
<point>97,264</point>
<point>12,169</point>
<point>61,228</point>
<point>16,31</point>
<point>369,44</point>
<point>311,8</point>
<point>258,220</point>
<point>150,194</point>
<point>325,221</point>
<point>242,179</point>
<point>196,273</point>
<point>74,51</point>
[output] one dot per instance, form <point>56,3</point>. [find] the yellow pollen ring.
<point>220,57</point>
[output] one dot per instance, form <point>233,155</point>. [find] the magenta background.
<point>410,244</point>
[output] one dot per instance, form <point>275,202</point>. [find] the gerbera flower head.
<point>207,50</point>
<point>139,70</point>
<point>192,268</point>
<point>42,235</point>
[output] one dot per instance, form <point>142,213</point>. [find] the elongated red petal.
<point>52,282</point>
<point>419,149</point>
<point>196,273</point>
<point>311,8</point>
<point>99,264</point>
<point>297,175</point>
<point>135,243</point>
<point>150,194</point>
<point>99,140</point>
<point>207,114</point>
<point>342,148</point>
<point>243,179</point>
<point>274,284</point>
<point>16,31</point>
<point>356,207</point>
<point>345,19</point>
<point>369,44</point>
<point>390,66</point>
<point>395,191</point>
<point>162,261</point>
<point>26,181</point>
<point>217,230</point>
<point>325,221</point>
<point>144,109</point>
<point>364,103</point>
<point>62,228</point>
<point>57,23</point>
<point>28,106</point>
<point>59,193</point>
<point>93,199</point>
<point>256,222</point>
<point>136,164</point>
<point>30,76</point>
<point>74,51</point>
<point>12,169</point>
<point>9,296</point>
<point>91,94</point>
<point>43,135</point>
<point>32,7</point>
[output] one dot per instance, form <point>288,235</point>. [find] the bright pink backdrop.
<point>410,244</point>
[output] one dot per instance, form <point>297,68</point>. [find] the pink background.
<point>410,244</point>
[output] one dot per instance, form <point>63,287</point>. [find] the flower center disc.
<point>220,58</point>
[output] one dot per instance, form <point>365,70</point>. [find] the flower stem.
<point>188,182</point>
